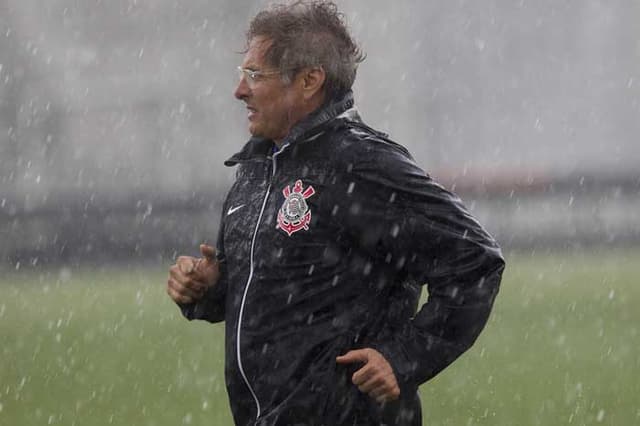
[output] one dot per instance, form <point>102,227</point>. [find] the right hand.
<point>190,277</point>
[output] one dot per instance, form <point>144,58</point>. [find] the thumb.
<point>208,252</point>
<point>359,355</point>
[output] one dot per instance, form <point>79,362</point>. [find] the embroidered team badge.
<point>294,214</point>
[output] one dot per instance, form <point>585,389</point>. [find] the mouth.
<point>251,112</point>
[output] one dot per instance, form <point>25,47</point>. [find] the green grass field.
<point>107,347</point>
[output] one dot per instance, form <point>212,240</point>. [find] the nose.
<point>242,89</point>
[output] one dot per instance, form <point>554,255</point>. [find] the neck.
<point>300,114</point>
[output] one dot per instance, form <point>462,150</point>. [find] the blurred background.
<point>116,116</point>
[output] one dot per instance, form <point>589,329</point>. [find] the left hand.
<point>376,377</point>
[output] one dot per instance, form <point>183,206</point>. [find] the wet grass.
<point>561,348</point>
<point>106,346</point>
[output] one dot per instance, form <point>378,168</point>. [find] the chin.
<point>254,131</point>
<point>258,132</point>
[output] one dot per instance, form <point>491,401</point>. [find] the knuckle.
<point>178,285</point>
<point>173,295</point>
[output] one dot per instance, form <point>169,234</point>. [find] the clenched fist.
<point>190,277</point>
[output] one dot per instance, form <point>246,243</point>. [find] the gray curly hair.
<point>309,34</point>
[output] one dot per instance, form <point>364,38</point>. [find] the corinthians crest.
<point>294,214</point>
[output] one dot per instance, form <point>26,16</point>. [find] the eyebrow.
<point>250,66</point>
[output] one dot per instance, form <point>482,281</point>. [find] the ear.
<point>312,82</point>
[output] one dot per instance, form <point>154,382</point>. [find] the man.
<point>326,237</point>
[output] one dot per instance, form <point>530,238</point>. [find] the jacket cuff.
<point>188,310</point>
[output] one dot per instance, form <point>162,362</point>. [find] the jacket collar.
<point>260,148</point>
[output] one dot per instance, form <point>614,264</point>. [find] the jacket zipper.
<point>246,288</point>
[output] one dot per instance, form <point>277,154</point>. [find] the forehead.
<point>258,47</point>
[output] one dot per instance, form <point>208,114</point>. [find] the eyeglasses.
<point>253,76</point>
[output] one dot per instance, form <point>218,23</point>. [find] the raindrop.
<point>335,281</point>
<point>367,268</point>
<point>350,188</point>
<point>147,212</point>
<point>600,416</point>
<point>538,125</point>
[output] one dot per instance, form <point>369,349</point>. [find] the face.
<point>273,107</point>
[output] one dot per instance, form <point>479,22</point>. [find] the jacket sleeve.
<point>401,217</point>
<point>212,305</point>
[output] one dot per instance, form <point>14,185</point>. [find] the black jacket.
<point>324,247</point>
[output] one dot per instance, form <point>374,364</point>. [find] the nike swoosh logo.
<point>232,210</point>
